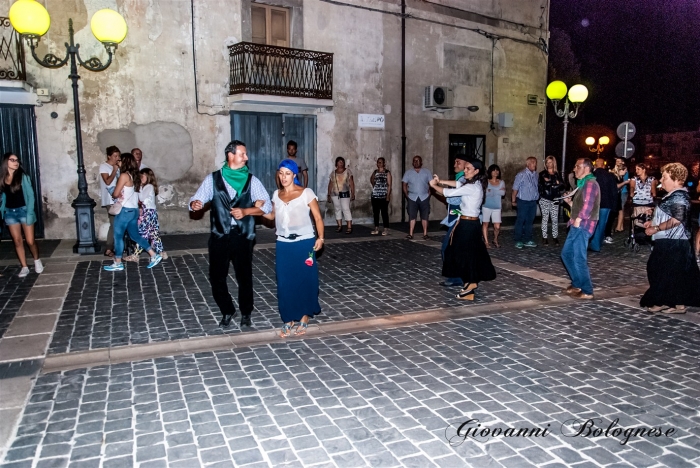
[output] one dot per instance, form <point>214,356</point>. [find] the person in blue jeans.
<point>608,201</point>
<point>524,198</point>
<point>127,191</point>
<point>451,218</point>
<point>585,210</point>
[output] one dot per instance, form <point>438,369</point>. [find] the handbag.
<point>340,194</point>
<point>116,208</point>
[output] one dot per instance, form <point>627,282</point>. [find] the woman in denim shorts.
<point>17,209</point>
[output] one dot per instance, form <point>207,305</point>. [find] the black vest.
<point>221,205</point>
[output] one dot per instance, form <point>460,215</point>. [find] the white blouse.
<point>294,217</point>
<point>147,196</point>
<point>471,195</point>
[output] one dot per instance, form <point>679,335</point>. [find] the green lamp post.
<point>31,20</point>
<point>556,91</point>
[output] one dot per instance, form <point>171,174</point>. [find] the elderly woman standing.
<point>671,269</point>
<point>466,256</point>
<point>295,253</point>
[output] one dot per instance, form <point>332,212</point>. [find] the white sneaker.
<point>38,266</point>
<point>608,240</point>
<point>24,272</point>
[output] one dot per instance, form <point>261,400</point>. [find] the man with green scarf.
<point>585,208</point>
<point>232,191</point>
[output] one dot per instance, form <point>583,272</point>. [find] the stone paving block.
<point>24,347</point>
<point>40,307</point>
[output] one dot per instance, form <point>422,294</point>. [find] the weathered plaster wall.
<point>147,97</point>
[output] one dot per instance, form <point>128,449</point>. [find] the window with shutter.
<point>270,25</point>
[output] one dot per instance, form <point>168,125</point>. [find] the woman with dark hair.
<point>643,190</point>
<point>381,193</point>
<point>127,193</point>
<point>491,211</point>
<point>295,253</point>
<point>671,269</point>
<point>17,209</point>
<point>551,185</point>
<point>466,256</point>
<point>341,190</point>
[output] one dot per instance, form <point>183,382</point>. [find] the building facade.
<point>683,147</point>
<point>187,79</point>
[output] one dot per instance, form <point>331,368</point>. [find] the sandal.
<point>301,329</point>
<point>425,237</point>
<point>286,330</point>
<point>109,253</point>
<point>349,231</point>
<point>488,246</point>
<point>495,243</point>
<point>339,228</point>
<point>409,237</point>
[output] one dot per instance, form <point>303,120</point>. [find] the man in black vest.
<point>232,191</point>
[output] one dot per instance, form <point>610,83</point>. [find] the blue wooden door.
<point>261,134</point>
<point>266,136</point>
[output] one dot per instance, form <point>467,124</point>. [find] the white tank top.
<point>129,200</point>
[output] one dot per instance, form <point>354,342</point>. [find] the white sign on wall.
<point>371,121</point>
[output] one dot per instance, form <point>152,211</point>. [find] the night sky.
<point>639,59</point>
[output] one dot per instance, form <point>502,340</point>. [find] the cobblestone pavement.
<point>13,291</point>
<point>358,280</point>
<point>387,398</point>
<point>613,266</point>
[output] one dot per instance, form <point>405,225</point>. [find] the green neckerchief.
<point>580,182</point>
<point>459,175</point>
<point>236,178</point>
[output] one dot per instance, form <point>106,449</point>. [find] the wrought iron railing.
<point>11,53</point>
<point>281,71</point>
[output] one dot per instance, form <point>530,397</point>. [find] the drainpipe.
<point>403,104</point>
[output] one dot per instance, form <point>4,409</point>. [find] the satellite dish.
<point>626,130</point>
<point>624,149</point>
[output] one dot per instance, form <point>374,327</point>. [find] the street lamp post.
<point>31,20</point>
<point>602,141</point>
<point>556,91</point>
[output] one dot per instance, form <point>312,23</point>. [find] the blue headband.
<point>292,166</point>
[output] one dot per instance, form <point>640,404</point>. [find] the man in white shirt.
<point>109,173</point>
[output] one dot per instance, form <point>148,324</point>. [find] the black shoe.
<point>226,320</point>
<point>245,321</point>
<point>556,241</point>
<point>545,241</point>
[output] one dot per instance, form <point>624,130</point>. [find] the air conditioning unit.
<point>438,97</point>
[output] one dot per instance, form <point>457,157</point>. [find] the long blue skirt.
<point>297,283</point>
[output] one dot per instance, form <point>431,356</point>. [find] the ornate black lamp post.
<point>32,20</point>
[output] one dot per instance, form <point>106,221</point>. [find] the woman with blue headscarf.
<point>295,256</point>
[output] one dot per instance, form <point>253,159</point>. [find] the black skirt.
<point>466,256</point>
<point>674,277</point>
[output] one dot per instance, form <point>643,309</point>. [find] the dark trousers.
<point>237,249</point>
<point>612,221</point>
<point>527,210</point>
<point>380,205</point>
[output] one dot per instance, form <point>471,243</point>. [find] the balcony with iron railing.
<point>12,65</point>
<point>280,71</point>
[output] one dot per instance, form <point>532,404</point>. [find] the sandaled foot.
<point>301,329</point>
<point>409,237</point>
<point>109,253</point>
<point>286,330</point>
<point>425,237</point>
<point>656,308</point>
<point>349,231</point>
<point>339,229</point>
<point>488,246</point>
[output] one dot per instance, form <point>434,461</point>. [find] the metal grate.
<point>280,71</point>
<point>11,53</point>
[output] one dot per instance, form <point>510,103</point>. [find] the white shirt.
<point>471,195</point>
<point>130,199</point>
<point>147,196</point>
<point>106,168</point>
<point>293,217</point>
